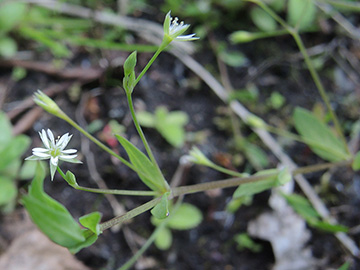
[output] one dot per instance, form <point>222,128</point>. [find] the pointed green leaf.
<point>92,221</point>
<point>249,189</point>
<point>163,239</point>
<point>263,20</point>
<point>151,176</point>
<point>129,64</point>
<point>71,179</point>
<point>161,210</point>
<point>304,208</point>
<point>319,136</point>
<point>301,13</point>
<point>52,218</point>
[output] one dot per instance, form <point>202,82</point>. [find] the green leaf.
<point>161,210</point>
<point>8,190</point>
<point>301,13</point>
<point>257,157</point>
<point>129,64</point>
<point>163,239</point>
<point>171,125</point>
<point>186,217</point>
<point>10,15</point>
<point>151,176</point>
<point>249,189</point>
<point>92,221</point>
<point>263,20</point>
<point>245,242</point>
<point>71,179</point>
<point>304,208</point>
<point>27,170</point>
<point>8,47</point>
<point>319,136</point>
<point>233,58</point>
<point>52,218</point>
<point>90,238</point>
<point>356,163</point>
<point>345,266</point>
<point>6,130</point>
<point>146,119</point>
<point>13,150</point>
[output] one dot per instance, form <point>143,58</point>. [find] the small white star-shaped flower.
<point>54,150</point>
<point>173,29</point>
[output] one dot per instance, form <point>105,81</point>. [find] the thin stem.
<point>320,87</point>
<point>128,215</point>
<point>226,171</point>
<point>150,240</point>
<point>118,192</point>
<point>144,247</point>
<point>233,182</point>
<point>148,65</point>
<point>295,34</point>
<point>111,191</point>
<point>100,144</point>
<point>139,129</point>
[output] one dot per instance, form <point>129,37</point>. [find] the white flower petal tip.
<point>54,150</point>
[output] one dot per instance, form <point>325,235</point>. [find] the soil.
<point>211,245</point>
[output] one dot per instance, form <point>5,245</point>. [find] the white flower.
<point>54,150</point>
<point>173,30</point>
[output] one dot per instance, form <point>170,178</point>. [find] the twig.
<point>68,73</point>
<point>29,102</point>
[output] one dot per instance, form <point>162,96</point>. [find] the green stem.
<point>128,215</point>
<point>148,65</point>
<point>295,34</point>
<point>139,129</point>
<point>144,247</point>
<point>232,182</point>
<point>100,144</point>
<point>320,87</point>
<point>118,191</point>
<point>226,171</point>
<point>150,240</point>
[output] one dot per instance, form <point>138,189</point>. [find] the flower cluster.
<point>54,150</point>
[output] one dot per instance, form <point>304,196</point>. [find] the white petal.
<point>54,161</point>
<point>63,141</point>
<point>43,155</point>
<point>69,151</point>
<point>36,158</point>
<point>51,137</point>
<point>39,149</point>
<point>52,170</point>
<point>65,157</point>
<point>44,138</point>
